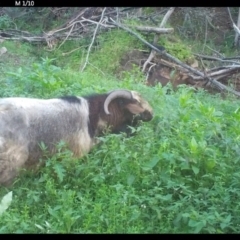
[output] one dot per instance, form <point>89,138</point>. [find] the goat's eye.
<point>121,102</point>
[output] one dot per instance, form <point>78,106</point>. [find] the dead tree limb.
<point>153,29</point>
<point>235,27</point>
<point>210,58</point>
<point>220,73</point>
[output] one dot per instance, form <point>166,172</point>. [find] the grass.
<point>179,173</point>
<point>18,55</point>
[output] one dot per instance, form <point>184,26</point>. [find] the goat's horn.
<point>116,94</point>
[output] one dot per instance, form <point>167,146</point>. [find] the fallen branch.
<point>171,65</point>
<point>222,67</point>
<point>222,72</point>
<point>94,22</point>
<point>75,20</point>
<point>210,58</point>
<point>153,29</point>
<point>230,58</point>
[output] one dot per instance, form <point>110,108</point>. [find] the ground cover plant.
<point>179,174</point>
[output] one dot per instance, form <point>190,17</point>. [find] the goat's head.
<point>131,102</point>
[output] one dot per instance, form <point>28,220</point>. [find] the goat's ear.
<point>134,108</point>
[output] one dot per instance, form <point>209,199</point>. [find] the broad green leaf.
<point>192,223</point>
<point>134,216</point>
<point>210,164</point>
<point>195,170</point>
<point>193,145</point>
<point>39,226</point>
<point>228,218</point>
<point>118,167</point>
<point>223,225</point>
<point>199,227</point>
<point>151,164</point>
<point>19,70</point>
<point>167,197</point>
<point>218,114</point>
<point>5,203</point>
<point>130,180</point>
<point>184,166</point>
<point>60,171</point>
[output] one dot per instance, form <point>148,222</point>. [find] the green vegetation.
<point>5,21</point>
<point>179,174</point>
<point>176,48</point>
<point>105,58</point>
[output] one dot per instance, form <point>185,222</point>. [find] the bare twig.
<point>205,38</point>
<point>218,53</point>
<point>236,27</point>
<point>75,25</point>
<point>74,18</point>
<point>153,29</point>
<point>216,75</point>
<point>164,21</point>
<point>66,37</point>
<point>223,72</point>
<point>230,15</point>
<point>97,69</point>
<point>63,54</point>
<point>172,65</point>
<point>117,9</point>
<point>230,58</point>
<point>21,35</point>
<point>220,68</point>
<point>70,30</point>
<point>152,65</point>
<point>210,23</point>
<point>78,15</point>
<point>90,46</point>
<point>99,23</point>
<point>210,58</point>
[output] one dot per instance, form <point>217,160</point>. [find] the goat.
<point>26,122</point>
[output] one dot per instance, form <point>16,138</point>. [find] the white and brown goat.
<point>26,122</point>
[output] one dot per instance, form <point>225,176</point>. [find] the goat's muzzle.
<point>146,116</point>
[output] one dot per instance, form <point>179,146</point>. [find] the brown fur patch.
<point>135,108</point>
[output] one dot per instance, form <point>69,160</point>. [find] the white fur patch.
<point>34,108</point>
<point>1,141</point>
<point>143,102</point>
<point>84,139</point>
